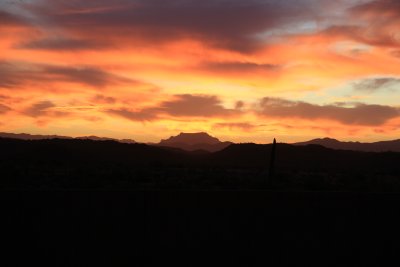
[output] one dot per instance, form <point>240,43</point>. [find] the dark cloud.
<point>101,99</point>
<point>4,109</point>
<point>239,104</point>
<point>370,35</point>
<point>383,7</point>
<point>60,44</point>
<point>85,75</point>
<point>195,106</point>
<point>233,24</point>
<point>8,19</point>
<point>14,75</point>
<point>39,109</point>
<point>44,109</point>
<point>10,76</point>
<point>375,84</point>
<point>141,115</point>
<point>382,18</point>
<point>181,106</point>
<point>360,114</point>
<point>238,67</point>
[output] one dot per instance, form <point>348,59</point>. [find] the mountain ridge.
<point>26,136</point>
<point>380,146</point>
<point>82,164</point>
<point>202,141</point>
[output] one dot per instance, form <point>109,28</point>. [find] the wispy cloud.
<point>238,67</point>
<point>375,84</point>
<point>16,74</point>
<point>206,106</point>
<point>4,109</point>
<point>60,44</point>
<point>43,108</point>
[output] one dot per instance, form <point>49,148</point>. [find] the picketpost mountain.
<point>195,141</point>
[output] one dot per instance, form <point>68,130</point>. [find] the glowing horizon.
<point>240,71</point>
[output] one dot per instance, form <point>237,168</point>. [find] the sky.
<point>244,71</point>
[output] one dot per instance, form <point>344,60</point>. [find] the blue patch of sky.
<point>347,93</point>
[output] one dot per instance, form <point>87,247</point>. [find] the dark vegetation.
<point>87,164</point>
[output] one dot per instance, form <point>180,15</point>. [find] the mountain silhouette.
<point>84,163</point>
<point>25,136</point>
<point>195,141</point>
<point>96,138</point>
<point>381,146</point>
<point>203,142</point>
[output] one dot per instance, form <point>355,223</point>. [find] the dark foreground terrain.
<point>199,228</point>
<point>103,203</point>
<point>62,164</point>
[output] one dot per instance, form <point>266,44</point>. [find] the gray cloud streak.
<point>15,75</point>
<point>375,84</point>
<point>360,114</point>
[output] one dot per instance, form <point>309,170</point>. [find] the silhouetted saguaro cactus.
<point>272,162</point>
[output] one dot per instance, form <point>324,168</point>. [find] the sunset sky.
<point>244,71</point>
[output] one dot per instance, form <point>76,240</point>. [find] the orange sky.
<point>245,71</point>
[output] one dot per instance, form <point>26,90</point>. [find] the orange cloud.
<point>4,108</point>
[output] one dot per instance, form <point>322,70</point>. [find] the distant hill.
<point>195,141</point>
<point>24,136</point>
<point>381,146</point>
<point>96,138</point>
